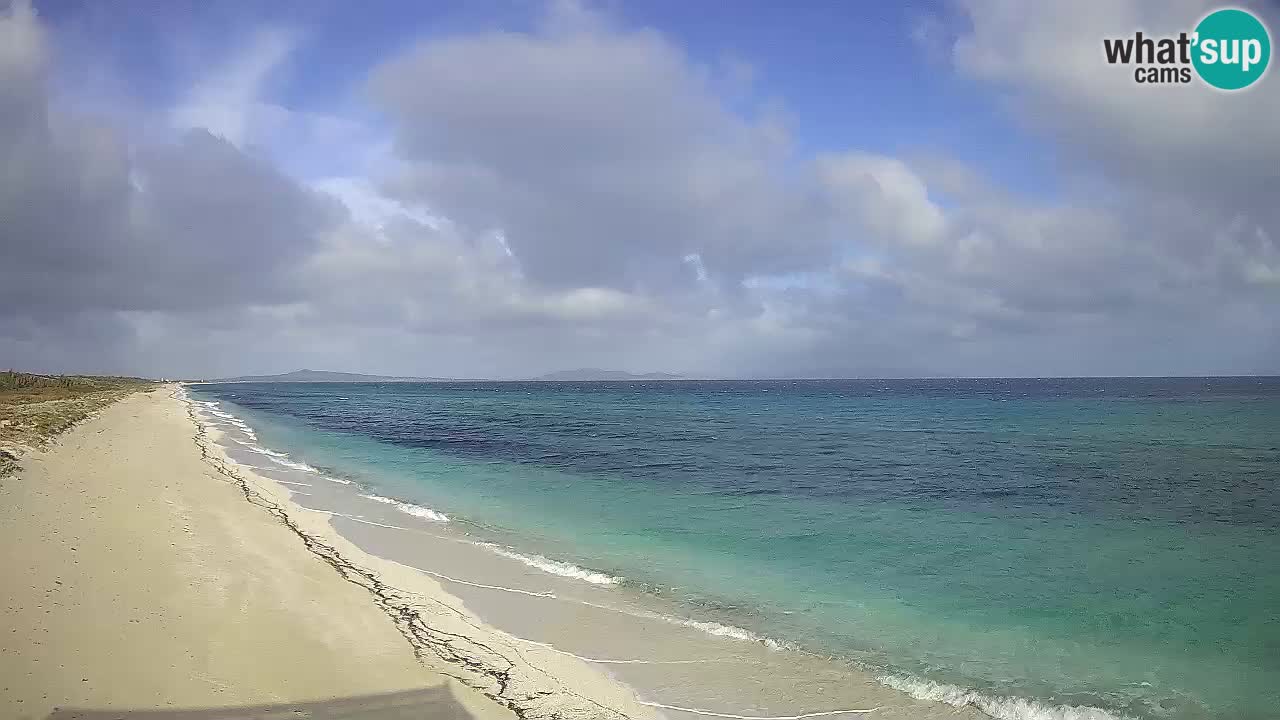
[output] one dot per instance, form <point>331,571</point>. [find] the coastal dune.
<point>138,578</point>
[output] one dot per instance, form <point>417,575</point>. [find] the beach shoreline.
<point>613,652</point>
<point>417,604</point>
<point>440,631</point>
<point>140,579</point>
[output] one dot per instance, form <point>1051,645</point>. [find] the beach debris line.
<point>473,662</point>
<point>486,669</point>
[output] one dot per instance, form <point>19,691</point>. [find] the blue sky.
<point>961,187</point>
<point>845,74</point>
<point>857,74</point>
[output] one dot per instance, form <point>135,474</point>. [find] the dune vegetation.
<point>34,408</point>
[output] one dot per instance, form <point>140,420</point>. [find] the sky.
<point>752,189</point>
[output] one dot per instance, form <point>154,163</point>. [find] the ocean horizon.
<point>1033,548</point>
<point>377,379</point>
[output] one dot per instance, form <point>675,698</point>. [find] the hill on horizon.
<point>576,375</point>
<point>598,374</point>
<point>325,376</point>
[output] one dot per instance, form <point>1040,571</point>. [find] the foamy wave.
<point>285,461</point>
<point>410,509</point>
<point>555,567</point>
<point>711,628</point>
<point>729,631</point>
<point>212,408</point>
<point>278,457</point>
<point>1003,708</point>
<point>244,428</point>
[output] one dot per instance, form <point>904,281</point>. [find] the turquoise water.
<point>1106,543</point>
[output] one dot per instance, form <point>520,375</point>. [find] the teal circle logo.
<point>1232,49</point>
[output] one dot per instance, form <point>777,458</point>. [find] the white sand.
<point>133,575</point>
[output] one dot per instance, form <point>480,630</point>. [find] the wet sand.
<point>668,664</point>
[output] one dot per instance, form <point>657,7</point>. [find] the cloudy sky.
<point>501,189</point>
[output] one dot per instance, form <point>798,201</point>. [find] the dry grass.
<point>34,408</point>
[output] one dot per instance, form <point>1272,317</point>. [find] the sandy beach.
<point>157,565</point>
<point>142,575</point>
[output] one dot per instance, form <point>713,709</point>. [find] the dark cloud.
<point>93,222</point>
<point>223,227</point>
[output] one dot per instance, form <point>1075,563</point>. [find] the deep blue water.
<point>1104,542</point>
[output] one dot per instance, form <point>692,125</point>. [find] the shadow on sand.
<point>436,703</point>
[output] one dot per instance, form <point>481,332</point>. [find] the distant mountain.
<point>595,374</point>
<point>324,376</point>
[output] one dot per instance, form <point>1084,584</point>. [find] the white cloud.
<point>227,101</point>
<point>370,207</point>
<point>1185,138</point>
<point>602,154</point>
<point>884,196</point>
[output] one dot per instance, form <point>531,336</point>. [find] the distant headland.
<point>318,376</point>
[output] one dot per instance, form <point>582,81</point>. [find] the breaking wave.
<point>1002,708</point>
<point>729,631</point>
<point>419,511</point>
<point>554,567</point>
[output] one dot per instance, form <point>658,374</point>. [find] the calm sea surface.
<point>1112,543</point>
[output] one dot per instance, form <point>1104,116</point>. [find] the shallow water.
<point>1112,544</point>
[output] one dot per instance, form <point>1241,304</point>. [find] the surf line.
<point>547,646</point>
<point>353,519</point>
<point>442,576</point>
<point>542,594</point>
<point>552,648</point>
<point>756,717</point>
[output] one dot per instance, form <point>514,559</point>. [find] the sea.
<point>1035,549</point>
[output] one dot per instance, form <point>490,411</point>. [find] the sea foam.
<point>1002,708</point>
<point>554,567</point>
<point>729,631</point>
<point>425,513</point>
<point>711,628</point>
<point>278,457</point>
<point>211,407</point>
